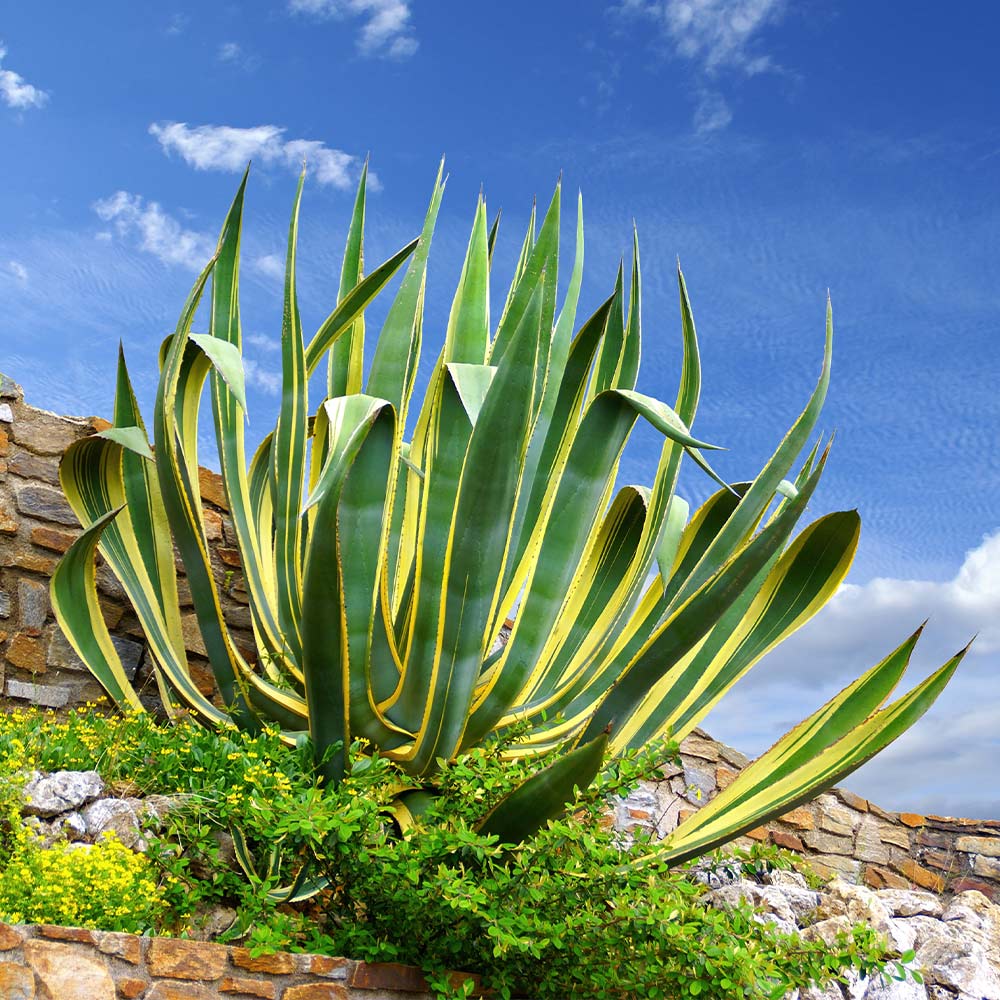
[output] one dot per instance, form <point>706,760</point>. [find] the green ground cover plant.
<point>539,921</point>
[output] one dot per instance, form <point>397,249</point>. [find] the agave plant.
<point>382,562</point>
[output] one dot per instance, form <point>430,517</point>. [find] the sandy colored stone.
<point>127,947</point>
<point>193,641</point>
<point>324,965</point>
<point>180,991</point>
<point>693,746</point>
<point>16,982</point>
<point>898,836</point>
<point>725,776</point>
<point>8,519</point>
<point>212,489</point>
<point>852,800</point>
<point>987,867</point>
<point>34,562</point>
<point>279,964</point>
<point>231,557</point>
<point>316,991</point>
<point>912,819</point>
<point>213,524</point>
<point>758,833</point>
<point>131,989</point>
<point>801,818</point>
<point>882,878</point>
<point>56,933</point>
<point>65,972</point>
<point>27,653</point>
<point>177,959</point>
<point>787,840</point>
<point>52,538</point>
<point>10,937</point>
<point>4,442</point>
<point>990,846</point>
<point>248,987</point>
<point>919,875</point>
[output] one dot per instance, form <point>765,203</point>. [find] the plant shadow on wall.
<point>380,571</point>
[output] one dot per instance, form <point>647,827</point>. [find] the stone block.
<point>725,776</point>
<point>942,860</point>
<point>317,991</point>
<point>27,652</point>
<point>990,846</point>
<point>180,991</point>
<point>9,389</point>
<point>882,878</point>
<point>248,987</point>
<point>787,840</point>
<point>33,605</point>
<point>29,466</point>
<point>279,964</point>
<point>56,933</point>
<point>8,518</point>
<point>68,973</point>
<point>44,695</point>
<point>325,965</point>
<point>898,836</point>
<point>127,947</point>
<point>16,982</point>
<point>52,538</point>
<point>193,642</point>
<point>699,784</point>
<point>34,562</point>
<point>693,746</point>
<point>229,557</point>
<point>912,819</point>
<point>4,442</point>
<point>47,434</point>
<point>10,937</point>
<point>801,818</point>
<point>828,843</point>
<point>4,604</point>
<point>212,489</point>
<point>6,413</point>
<point>868,845</point>
<point>46,504</point>
<point>213,524</point>
<point>919,875</point>
<point>172,958</point>
<point>987,867</point>
<point>852,800</point>
<point>131,989</point>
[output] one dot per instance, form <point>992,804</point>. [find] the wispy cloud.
<point>386,30</point>
<point>227,148</point>
<point>158,233</point>
<point>712,113</point>
<point>263,342</point>
<point>262,378</point>
<point>15,91</point>
<point>716,36</point>
<point>233,54</point>
<point>271,265</point>
<point>16,270</point>
<point>177,24</point>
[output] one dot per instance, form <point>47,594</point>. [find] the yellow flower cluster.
<point>104,886</point>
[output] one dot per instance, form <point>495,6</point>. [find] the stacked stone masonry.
<point>37,526</point>
<point>840,833</point>
<point>69,963</point>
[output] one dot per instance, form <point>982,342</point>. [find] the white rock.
<point>911,902</point>
<point>120,816</point>
<point>962,965</point>
<point>64,791</point>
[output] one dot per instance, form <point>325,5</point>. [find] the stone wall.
<point>840,833</point>
<point>68,963</point>
<point>37,664</point>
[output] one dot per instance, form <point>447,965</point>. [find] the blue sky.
<point>780,149</point>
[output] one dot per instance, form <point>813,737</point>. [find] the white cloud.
<point>271,265</point>
<point>386,30</point>
<point>16,270</point>
<point>15,91</point>
<point>263,342</point>
<point>715,35</point>
<point>159,234</point>
<point>229,52</point>
<point>712,113</point>
<point>225,147</point>
<point>265,379</point>
<point>938,766</point>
